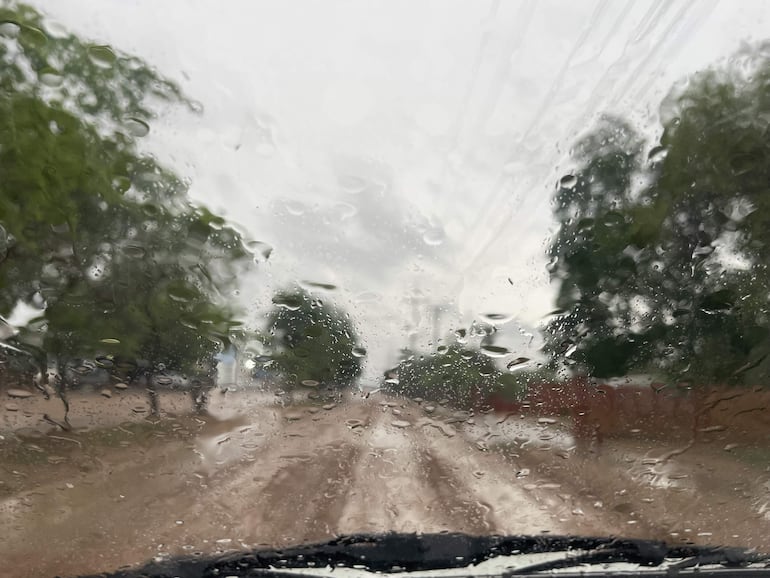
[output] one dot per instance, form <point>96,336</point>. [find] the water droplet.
<point>50,77</point>
<point>309,383</point>
<point>121,386</point>
<point>657,154</point>
<point>163,380</point>
<point>181,292</point>
<point>434,236</point>
<point>494,351</point>
<point>84,369</point>
<point>9,29</point>
<point>345,211</point>
<point>518,363</point>
<point>400,423</point>
<point>351,184</point>
<point>260,250</point>
<point>134,251</point>
<point>295,208</point>
<point>34,36</point>
<point>136,126</point>
<point>106,392</point>
<point>368,297</point>
<point>354,423</point>
<point>496,318</point>
<point>546,420</point>
<point>11,407</point>
<point>104,361</point>
<point>293,416</point>
<point>110,341</point>
<point>19,393</point>
<point>290,302</point>
<point>317,285</point>
<point>568,182</point>
<point>359,352</point>
<point>102,56</point>
<point>329,406</point>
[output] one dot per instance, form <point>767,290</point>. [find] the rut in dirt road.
<point>304,500</point>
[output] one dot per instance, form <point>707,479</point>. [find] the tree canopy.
<point>662,254</point>
<point>465,372</point>
<point>95,233</point>
<point>313,340</point>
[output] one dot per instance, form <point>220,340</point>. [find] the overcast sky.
<point>404,151</point>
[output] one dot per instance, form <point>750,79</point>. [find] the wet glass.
<point>273,273</point>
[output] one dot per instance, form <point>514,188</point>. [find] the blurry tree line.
<point>465,372</point>
<point>662,254</point>
<point>97,236</point>
<point>101,240</point>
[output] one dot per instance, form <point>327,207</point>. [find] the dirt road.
<point>254,472</point>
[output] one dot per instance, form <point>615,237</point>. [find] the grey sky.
<point>393,147</point>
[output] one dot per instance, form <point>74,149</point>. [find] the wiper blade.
<point>643,553</point>
<point>395,552</point>
<point>638,552</point>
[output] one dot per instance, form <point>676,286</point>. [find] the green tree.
<point>100,236</point>
<point>313,340</point>
<point>662,261</point>
<point>458,374</point>
<point>463,374</point>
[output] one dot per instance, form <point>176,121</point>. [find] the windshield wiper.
<point>644,553</point>
<point>418,552</point>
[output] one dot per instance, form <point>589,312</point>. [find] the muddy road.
<point>124,487</point>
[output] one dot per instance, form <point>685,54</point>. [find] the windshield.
<point>273,273</point>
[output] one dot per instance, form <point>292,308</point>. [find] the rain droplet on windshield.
<point>657,154</point>
<point>517,363</point>
<point>260,250</point>
<point>136,126</point>
<point>496,318</point>
<point>9,29</point>
<point>568,181</point>
<point>495,351</point>
<point>102,55</point>
<point>287,301</point>
<point>50,77</point>
<point>434,236</point>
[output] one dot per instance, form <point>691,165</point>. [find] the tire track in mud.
<point>407,480</point>
<point>295,487</point>
<point>304,500</point>
<point>387,495</point>
<point>456,503</point>
<point>484,488</point>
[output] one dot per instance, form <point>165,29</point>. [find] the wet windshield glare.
<point>276,272</point>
